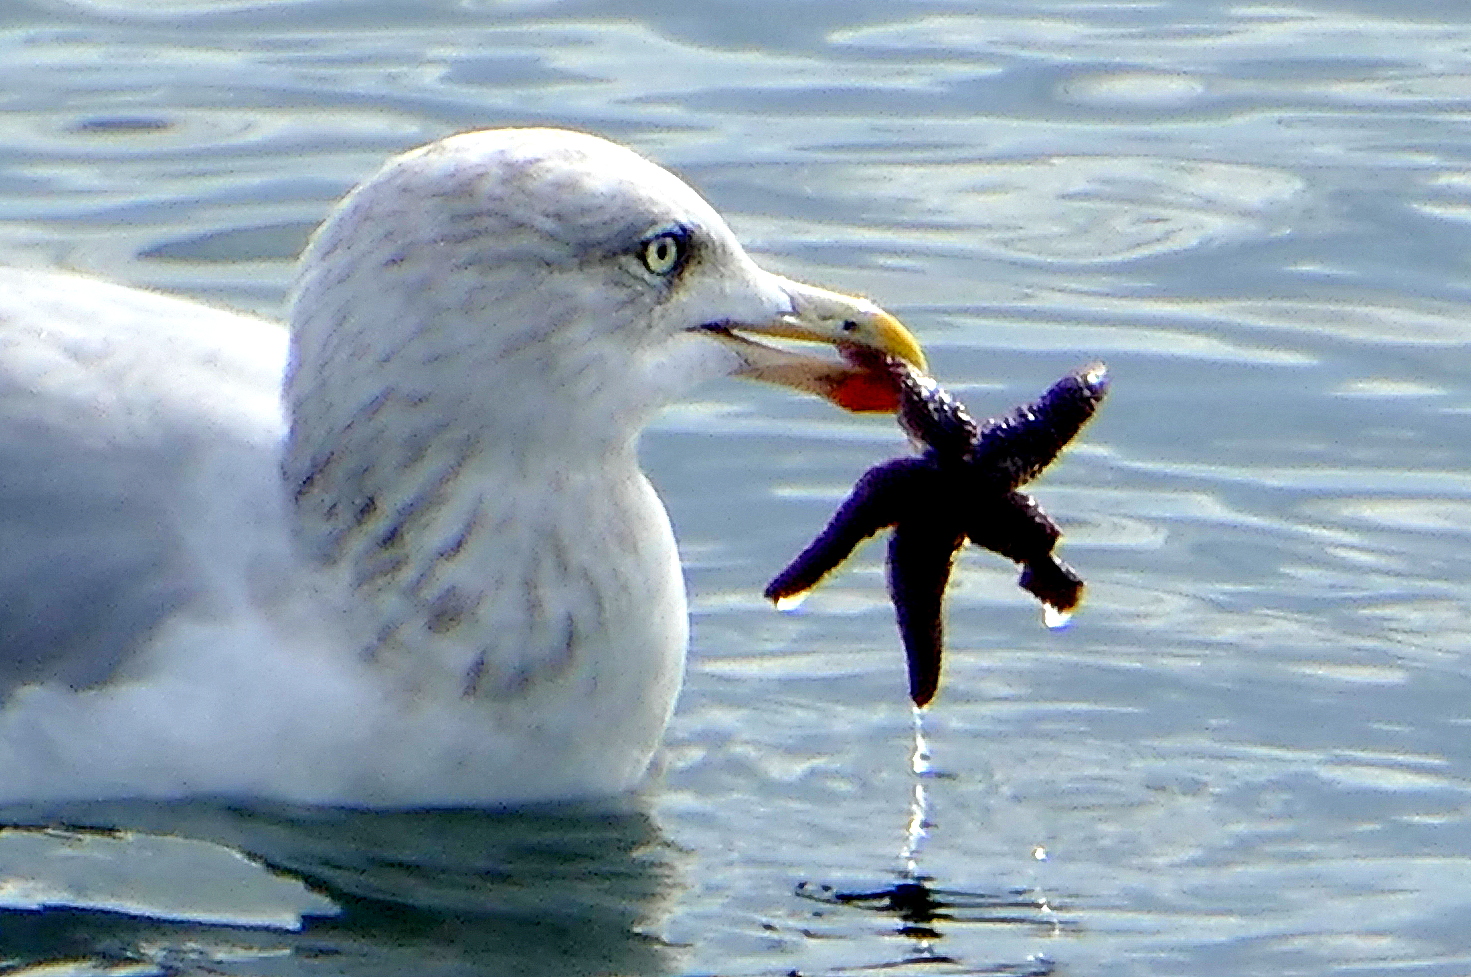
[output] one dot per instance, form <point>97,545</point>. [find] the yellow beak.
<point>844,321</point>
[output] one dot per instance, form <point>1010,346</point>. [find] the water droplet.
<point>919,805</point>
<point>792,601</point>
<point>1054,618</point>
<point>919,760</point>
<point>914,833</point>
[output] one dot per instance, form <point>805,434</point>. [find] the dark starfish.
<point>963,485</point>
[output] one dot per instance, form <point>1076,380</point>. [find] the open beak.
<point>853,325</point>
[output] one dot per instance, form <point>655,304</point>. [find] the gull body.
<point>401,553</point>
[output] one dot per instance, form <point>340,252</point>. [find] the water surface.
<point>1248,753</point>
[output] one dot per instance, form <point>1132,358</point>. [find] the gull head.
<point>506,272</point>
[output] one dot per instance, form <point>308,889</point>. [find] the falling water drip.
<point>919,804</point>
<point>919,760</point>
<point>1044,905</point>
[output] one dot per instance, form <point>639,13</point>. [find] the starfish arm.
<point>921,555</point>
<point>932,417</point>
<point>1053,583</point>
<point>1012,450</point>
<point>1019,530</point>
<point>1012,525</point>
<point>878,499</point>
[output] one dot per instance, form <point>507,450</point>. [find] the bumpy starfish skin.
<point>963,486</point>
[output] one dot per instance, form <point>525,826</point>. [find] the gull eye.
<point>665,252</point>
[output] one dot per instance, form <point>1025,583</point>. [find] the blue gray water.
<point>1248,754</point>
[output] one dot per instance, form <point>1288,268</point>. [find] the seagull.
<point>400,553</point>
